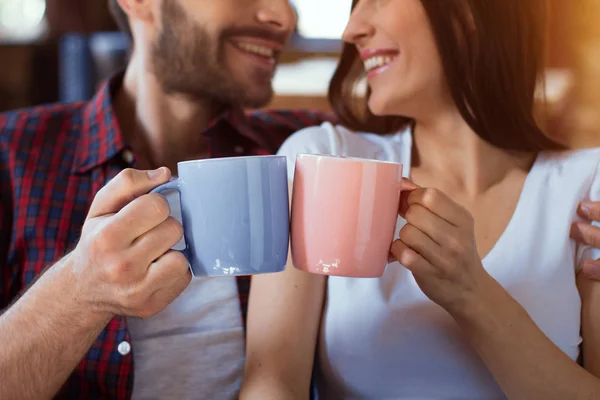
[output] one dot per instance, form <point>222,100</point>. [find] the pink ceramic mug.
<point>344,213</point>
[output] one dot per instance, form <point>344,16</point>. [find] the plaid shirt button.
<point>128,156</point>
<point>124,348</point>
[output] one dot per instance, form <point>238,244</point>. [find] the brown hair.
<point>120,18</point>
<point>582,114</point>
<point>492,52</point>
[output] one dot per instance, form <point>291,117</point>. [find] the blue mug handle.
<point>175,184</point>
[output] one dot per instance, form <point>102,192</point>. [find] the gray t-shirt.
<point>194,349</point>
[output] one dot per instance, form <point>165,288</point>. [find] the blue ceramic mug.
<point>235,214</point>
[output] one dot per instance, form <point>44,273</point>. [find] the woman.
<point>484,302</point>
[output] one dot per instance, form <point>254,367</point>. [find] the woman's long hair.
<point>492,53</point>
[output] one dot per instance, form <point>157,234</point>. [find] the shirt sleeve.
<point>323,139</point>
<point>585,252</point>
<point>6,273</point>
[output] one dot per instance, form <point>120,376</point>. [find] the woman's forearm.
<point>524,362</point>
<point>284,316</point>
<point>271,389</point>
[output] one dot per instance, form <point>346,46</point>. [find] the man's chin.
<point>255,99</point>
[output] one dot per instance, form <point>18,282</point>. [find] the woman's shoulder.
<point>338,140</point>
<point>583,162</point>
<point>570,172</point>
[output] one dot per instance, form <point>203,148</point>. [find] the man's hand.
<point>122,265</point>
<point>585,233</point>
<point>123,262</point>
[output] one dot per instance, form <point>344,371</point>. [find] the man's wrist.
<point>59,292</point>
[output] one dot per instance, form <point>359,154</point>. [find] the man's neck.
<point>162,129</point>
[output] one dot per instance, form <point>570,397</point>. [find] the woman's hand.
<point>438,246</point>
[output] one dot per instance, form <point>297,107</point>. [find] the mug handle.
<point>175,184</point>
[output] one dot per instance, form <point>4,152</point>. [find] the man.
<point>74,181</point>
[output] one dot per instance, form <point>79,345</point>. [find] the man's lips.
<point>258,46</point>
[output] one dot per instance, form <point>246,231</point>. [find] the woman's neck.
<point>449,155</point>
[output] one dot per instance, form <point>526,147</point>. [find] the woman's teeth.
<point>377,62</point>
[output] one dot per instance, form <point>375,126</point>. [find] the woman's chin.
<point>378,107</point>
<point>392,106</point>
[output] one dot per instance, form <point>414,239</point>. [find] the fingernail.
<point>155,174</point>
<point>576,232</point>
<point>407,257</point>
<point>591,269</point>
<point>585,210</point>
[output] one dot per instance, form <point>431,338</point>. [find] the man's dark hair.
<point>120,18</point>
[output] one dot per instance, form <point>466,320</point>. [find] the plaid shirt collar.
<point>103,140</point>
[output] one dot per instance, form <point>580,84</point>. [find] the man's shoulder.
<point>288,121</point>
<point>20,128</point>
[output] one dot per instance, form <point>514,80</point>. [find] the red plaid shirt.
<point>53,160</point>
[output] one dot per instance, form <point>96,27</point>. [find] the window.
<point>322,19</point>
<point>22,19</point>
<point>320,27</point>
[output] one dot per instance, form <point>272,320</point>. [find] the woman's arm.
<point>438,246</point>
<point>590,323</point>
<point>283,323</point>
<point>524,362</point>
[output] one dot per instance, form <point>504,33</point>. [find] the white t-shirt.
<point>384,339</point>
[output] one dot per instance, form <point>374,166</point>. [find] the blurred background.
<point>59,50</point>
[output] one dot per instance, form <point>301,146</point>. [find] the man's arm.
<point>45,334</point>
<point>122,265</point>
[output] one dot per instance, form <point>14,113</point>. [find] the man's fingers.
<point>140,216</point>
<point>591,269</point>
<point>169,276</point>
<point>586,234</point>
<point>589,210</point>
<point>128,185</point>
<point>156,242</point>
<point>172,266</point>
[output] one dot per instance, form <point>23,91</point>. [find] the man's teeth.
<point>256,49</point>
<point>376,62</point>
